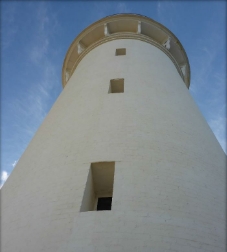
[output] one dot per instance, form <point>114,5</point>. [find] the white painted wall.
<point>169,183</point>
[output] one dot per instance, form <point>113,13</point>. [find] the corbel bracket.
<point>139,27</point>
<point>166,44</point>
<point>80,47</point>
<point>67,74</point>
<point>183,69</point>
<point>106,30</point>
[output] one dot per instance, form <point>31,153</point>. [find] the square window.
<point>116,86</point>
<point>104,203</point>
<point>120,51</point>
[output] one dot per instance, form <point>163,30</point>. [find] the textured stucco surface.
<point>169,182</point>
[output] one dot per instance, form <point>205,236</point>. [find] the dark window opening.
<point>120,51</point>
<point>116,86</point>
<point>104,203</point>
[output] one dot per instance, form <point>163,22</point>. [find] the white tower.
<point>124,137</point>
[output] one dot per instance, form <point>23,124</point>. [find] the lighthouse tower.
<point>124,161</point>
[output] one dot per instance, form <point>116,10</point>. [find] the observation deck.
<point>126,26</point>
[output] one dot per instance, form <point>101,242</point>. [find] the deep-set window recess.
<point>120,51</point>
<point>98,191</point>
<point>116,86</point>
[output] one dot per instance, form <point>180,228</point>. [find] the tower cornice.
<point>126,26</point>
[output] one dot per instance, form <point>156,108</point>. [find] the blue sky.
<point>36,35</point>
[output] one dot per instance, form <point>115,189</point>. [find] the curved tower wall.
<point>169,176</point>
